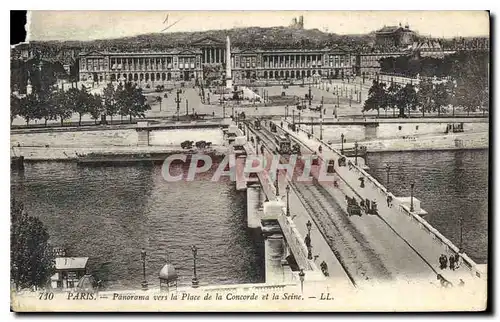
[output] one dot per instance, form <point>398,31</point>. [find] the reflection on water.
<point>449,184</point>
<point>110,213</point>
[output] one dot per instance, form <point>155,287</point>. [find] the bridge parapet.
<point>422,224</point>
<point>292,235</point>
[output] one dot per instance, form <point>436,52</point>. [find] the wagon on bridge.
<point>187,144</point>
<point>353,207</point>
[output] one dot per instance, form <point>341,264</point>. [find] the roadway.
<point>367,247</point>
<point>418,244</point>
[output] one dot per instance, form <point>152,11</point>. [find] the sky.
<point>89,25</point>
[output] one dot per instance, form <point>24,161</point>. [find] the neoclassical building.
<point>208,55</point>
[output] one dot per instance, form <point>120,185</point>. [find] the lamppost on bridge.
<point>299,119</point>
<point>286,112</point>
<point>301,278</point>
<point>287,200</point>
<point>277,183</point>
<point>308,240</point>
<point>460,223</point>
<point>144,283</point>
<point>356,153</point>
<point>342,142</point>
<point>312,125</point>
<point>387,169</point>
<point>195,281</point>
<point>412,185</point>
<point>321,129</point>
<point>293,119</point>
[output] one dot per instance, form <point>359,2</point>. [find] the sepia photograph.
<point>250,161</point>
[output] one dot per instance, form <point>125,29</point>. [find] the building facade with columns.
<point>210,54</point>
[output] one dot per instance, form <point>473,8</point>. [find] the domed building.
<point>168,277</point>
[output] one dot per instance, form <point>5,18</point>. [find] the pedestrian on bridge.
<point>443,261</point>
<point>452,262</point>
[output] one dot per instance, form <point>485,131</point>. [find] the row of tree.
<point>428,96</point>
<point>125,100</point>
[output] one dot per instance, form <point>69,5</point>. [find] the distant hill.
<point>250,37</point>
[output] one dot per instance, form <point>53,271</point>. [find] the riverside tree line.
<point>426,96</point>
<point>124,100</point>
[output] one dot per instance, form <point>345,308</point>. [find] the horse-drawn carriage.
<point>353,207</point>
<point>203,144</point>
<point>296,149</point>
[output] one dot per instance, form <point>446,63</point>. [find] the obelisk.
<point>229,78</point>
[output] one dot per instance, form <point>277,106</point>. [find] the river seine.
<point>449,184</point>
<point>110,213</point>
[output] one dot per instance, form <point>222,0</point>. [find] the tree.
<point>15,107</point>
<point>61,104</point>
<point>407,99</point>
<point>441,95</point>
<point>95,107</point>
<point>109,97</point>
<point>46,109</point>
<point>80,101</point>
<point>424,95</point>
<point>131,101</point>
<point>31,260</point>
<point>377,98</point>
<point>393,96</point>
<point>28,108</point>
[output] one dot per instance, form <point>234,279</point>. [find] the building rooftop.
<point>63,263</point>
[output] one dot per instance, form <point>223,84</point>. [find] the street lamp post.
<point>195,281</point>
<point>342,142</point>
<point>309,246</point>
<point>287,201</point>
<point>312,125</point>
<point>299,119</point>
<point>412,185</point>
<point>460,222</point>
<point>178,102</point>
<point>187,107</point>
<point>310,95</point>
<point>387,169</point>
<point>223,110</point>
<point>321,129</point>
<point>143,259</point>
<point>293,118</point>
<point>356,153</point>
<point>277,183</point>
<point>286,112</point>
<point>301,277</point>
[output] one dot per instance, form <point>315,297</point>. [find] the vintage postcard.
<point>250,161</point>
